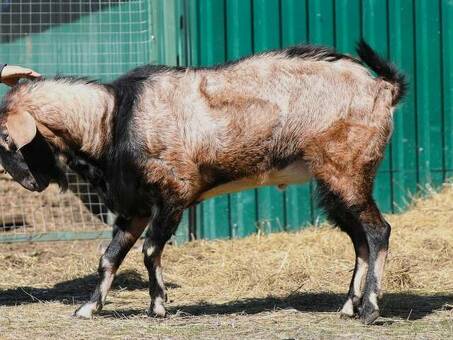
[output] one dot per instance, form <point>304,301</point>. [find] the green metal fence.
<point>113,36</point>
<point>416,35</point>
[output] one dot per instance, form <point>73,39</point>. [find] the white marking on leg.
<point>158,301</point>
<point>362,269</point>
<point>348,308</point>
<point>109,275</point>
<point>379,269</point>
<point>105,285</point>
<point>159,277</point>
<point>158,307</point>
<point>373,300</point>
<point>150,251</point>
<point>86,311</point>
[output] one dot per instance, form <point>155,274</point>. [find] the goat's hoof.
<point>157,311</point>
<point>345,316</point>
<point>348,310</point>
<point>84,312</point>
<point>368,314</point>
<point>369,319</point>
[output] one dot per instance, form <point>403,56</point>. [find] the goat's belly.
<point>295,173</point>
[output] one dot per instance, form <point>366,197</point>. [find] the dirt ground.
<point>280,286</point>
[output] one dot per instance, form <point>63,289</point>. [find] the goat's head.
<point>24,153</point>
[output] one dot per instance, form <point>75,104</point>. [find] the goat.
<point>162,139</point>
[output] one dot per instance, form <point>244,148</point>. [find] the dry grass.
<point>277,286</point>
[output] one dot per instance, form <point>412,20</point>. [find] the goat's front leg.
<point>126,234</point>
<point>161,227</point>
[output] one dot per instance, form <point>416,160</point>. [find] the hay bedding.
<point>286,285</point>
<point>279,285</point>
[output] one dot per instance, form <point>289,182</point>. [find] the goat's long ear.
<point>21,128</point>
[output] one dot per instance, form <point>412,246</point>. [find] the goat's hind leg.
<point>355,293</point>
<point>126,234</point>
<point>339,214</point>
<point>377,232</point>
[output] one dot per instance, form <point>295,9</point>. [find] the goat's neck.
<point>76,115</point>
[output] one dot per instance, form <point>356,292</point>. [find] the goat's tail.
<point>383,69</point>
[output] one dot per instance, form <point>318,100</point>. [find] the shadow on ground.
<point>77,290</point>
<point>403,305</point>
<point>400,305</point>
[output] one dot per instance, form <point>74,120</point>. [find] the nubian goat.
<point>160,139</point>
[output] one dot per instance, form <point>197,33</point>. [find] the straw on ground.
<point>275,286</point>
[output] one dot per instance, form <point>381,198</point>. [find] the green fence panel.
<point>321,22</point>
<point>348,19</point>
<point>294,22</point>
<point>404,140</point>
<point>413,34</point>
<point>428,91</point>
<point>447,72</point>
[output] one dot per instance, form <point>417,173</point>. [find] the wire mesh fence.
<point>98,39</point>
<point>51,215</point>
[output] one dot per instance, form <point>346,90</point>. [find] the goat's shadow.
<point>72,291</point>
<point>406,306</point>
<point>402,305</point>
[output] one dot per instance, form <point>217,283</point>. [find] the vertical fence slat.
<point>404,141</point>
<point>266,25</point>
<point>294,22</point>
<point>347,25</point>
<point>428,60</point>
<point>374,30</point>
<point>193,37</point>
<point>321,22</point>
<point>239,44</point>
<point>447,58</point>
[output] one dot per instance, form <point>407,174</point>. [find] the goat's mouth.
<point>31,167</point>
<point>34,166</point>
<point>32,185</point>
<point>14,164</point>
